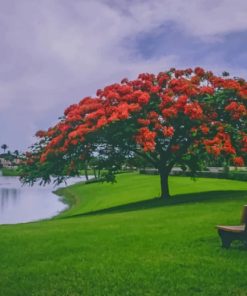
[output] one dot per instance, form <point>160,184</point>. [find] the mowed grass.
<point>119,240</point>
<point>10,172</point>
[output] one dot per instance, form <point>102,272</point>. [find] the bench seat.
<point>238,229</point>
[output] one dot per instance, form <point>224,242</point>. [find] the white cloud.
<point>55,52</point>
<point>202,18</point>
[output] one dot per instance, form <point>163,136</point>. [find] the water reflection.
<point>20,204</point>
<point>8,195</point>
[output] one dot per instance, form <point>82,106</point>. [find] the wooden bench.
<point>230,233</point>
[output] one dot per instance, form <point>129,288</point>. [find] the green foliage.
<point>109,177</point>
<point>241,176</point>
<point>10,172</point>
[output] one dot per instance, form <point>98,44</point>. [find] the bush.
<point>234,175</point>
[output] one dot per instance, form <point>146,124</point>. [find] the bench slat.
<point>240,228</point>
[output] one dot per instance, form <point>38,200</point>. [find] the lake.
<point>19,204</point>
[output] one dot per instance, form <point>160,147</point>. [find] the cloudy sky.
<point>55,52</point>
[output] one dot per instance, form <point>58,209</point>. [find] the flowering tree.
<point>176,117</point>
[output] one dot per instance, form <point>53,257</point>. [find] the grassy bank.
<point>9,172</point>
<point>117,240</point>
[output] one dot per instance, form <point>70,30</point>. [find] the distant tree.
<point>136,161</point>
<point>16,153</point>
<point>4,147</point>
<point>177,117</point>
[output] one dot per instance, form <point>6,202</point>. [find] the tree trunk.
<point>86,172</point>
<point>164,183</point>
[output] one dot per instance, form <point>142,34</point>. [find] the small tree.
<point>4,147</point>
<point>16,153</point>
<point>177,117</point>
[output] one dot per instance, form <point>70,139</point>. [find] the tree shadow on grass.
<point>211,196</point>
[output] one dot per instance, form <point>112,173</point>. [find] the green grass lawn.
<point>118,240</point>
<point>9,172</point>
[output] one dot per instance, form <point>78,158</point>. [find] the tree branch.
<point>147,157</point>
<point>179,155</point>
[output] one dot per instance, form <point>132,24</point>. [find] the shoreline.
<point>52,193</point>
<point>68,199</point>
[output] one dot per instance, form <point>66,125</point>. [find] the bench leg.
<point>226,239</point>
<point>226,243</point>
